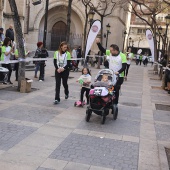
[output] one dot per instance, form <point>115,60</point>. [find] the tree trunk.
<point>19,40</point>
<point>69,20</point>
<point>102,30</point>
<point>155,49</point>
<point>98,64</point>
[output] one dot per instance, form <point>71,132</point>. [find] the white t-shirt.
<point>7,58</point>
<point>61,59</point>
<point>144,57</point>
<point>74,53</point>
<point>137,56</point>
<point>130,56</point>
<point>85,78</point>
<point>115,63</point>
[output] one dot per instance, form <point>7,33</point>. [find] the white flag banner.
<point>94,30</point>
<point>150,38</point>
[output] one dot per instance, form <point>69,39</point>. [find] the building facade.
<point>32,20</point>
<point>137,33</point>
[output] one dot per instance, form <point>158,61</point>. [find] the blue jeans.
<point>37,67</point>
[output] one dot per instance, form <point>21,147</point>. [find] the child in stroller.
<point>102,96</point>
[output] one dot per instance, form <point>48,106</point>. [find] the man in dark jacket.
<point>10,33</point>
<point>79,55</point>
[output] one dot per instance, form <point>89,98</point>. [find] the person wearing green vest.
<point>5,56</point>
<point>117,63</point>
<point>140,59</point>
<point>16,66</point>
<point>62,63</point>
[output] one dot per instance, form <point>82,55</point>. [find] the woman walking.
<point>129,59</point>
<point>61,63</point>
<point>6,51</point>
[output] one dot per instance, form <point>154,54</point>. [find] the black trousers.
<point>8,66</point>
<point>78,61</point>
<point>137,61</point>
<point>117,89</point>
<point>41,77</point>
<point>64,76</point>
<point>16,68</point>
<point>167,77</point>
<point>84,89</point>
<point>140,61</point>
<point>127,69</point>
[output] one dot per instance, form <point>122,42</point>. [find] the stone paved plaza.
<point>37,135</point>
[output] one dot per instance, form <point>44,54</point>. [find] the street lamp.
<point>159,35</point>
<point>167,18</point>
<point>91,16</point>
<point>36,2</point>
<point>132,43</point>
<point>140,39</point>
<point>125,33</point>
<point>130,39</point>
<point>108,31</point>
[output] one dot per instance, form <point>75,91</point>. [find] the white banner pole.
<point>150,39</point>
<point>94,30</point>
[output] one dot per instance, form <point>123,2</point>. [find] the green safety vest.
<point>16,52</point>
<point>68,55</point>
<point>3,50</point>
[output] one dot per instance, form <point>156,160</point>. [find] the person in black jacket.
<point>10,33</point>
<point>41,53</point>
<point>79,55</point>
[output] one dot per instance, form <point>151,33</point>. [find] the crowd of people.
<point>117,61</point>
<point>9,50</point>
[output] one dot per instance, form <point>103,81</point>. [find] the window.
<point>141,31</point>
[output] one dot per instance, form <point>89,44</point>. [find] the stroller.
<point>3,75</point>
<point>101,99</point>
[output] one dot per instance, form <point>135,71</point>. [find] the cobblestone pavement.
<point>37,135</point>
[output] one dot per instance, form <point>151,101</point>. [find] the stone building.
<point>32,20</point>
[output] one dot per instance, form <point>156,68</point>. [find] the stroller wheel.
<point>88,115</point>
<point>115,112</point>
<point>75,104</point>
<point>103,117</point>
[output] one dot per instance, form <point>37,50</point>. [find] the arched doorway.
<point>58,34</point>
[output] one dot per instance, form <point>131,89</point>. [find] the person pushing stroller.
<point>117,63</point>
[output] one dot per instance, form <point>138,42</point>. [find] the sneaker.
<point>66,96</point>
<point>40,80</point>
<point>35,77</point>
<point>56,102</point>
<point>10,82</point>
